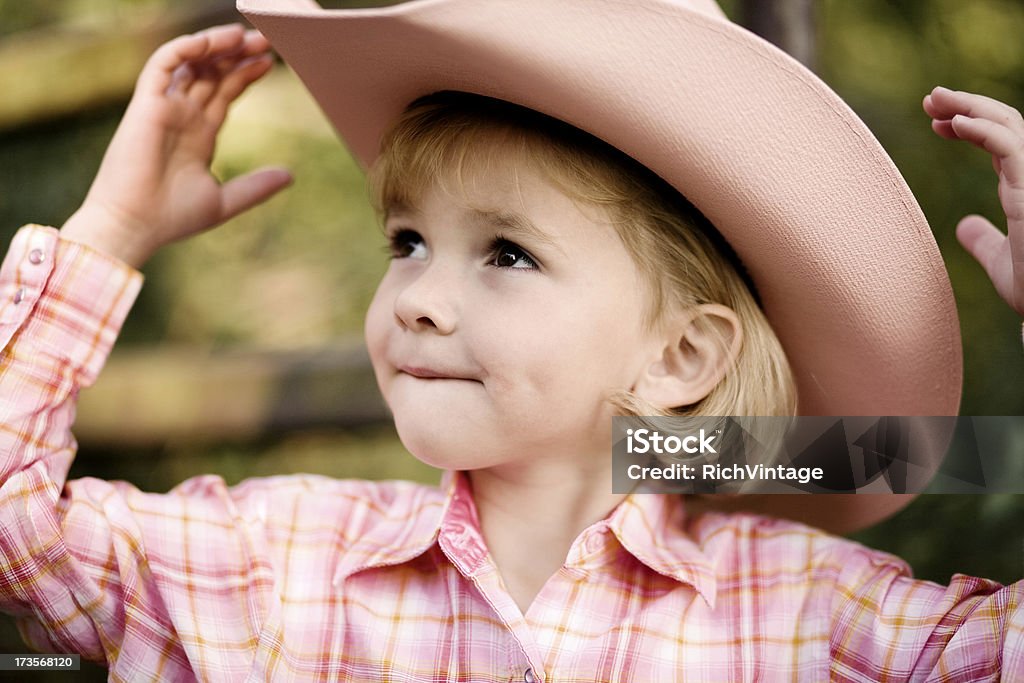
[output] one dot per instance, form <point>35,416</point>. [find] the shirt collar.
<point>408,528</point>
<point>399,529</point>
<point>649,526</point>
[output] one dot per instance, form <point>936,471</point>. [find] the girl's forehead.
<point>458,162</point>
<point>511,191</point>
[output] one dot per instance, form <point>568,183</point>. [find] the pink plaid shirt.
<point>305,577</point>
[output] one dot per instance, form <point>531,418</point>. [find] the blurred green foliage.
<point>18,15</point>
<point>300,270</point>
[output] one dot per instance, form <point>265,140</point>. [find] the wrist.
<point>99,229</point>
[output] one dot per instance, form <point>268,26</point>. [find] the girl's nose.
<point>427,302</point>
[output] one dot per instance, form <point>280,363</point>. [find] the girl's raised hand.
<point>998,129</point>
<point>154,184</point>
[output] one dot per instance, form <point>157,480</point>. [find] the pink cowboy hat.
<point>842,256</point>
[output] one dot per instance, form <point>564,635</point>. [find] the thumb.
<point>246,191</point>
<point>982,240</point>
<point>991,248</point>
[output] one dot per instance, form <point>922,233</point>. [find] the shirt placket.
<point>462,544</point>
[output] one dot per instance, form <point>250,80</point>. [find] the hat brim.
<point>843,258</point>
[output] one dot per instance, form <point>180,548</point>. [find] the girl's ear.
<point>700,345</point>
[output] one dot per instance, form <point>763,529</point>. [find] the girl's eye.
<point>407,244</point>
<point>510,255</point>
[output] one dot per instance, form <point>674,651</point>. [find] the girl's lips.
<point>429,373</point>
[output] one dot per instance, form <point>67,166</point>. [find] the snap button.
<point>36,256</point>
<point>528,677</point>
<point>593,543</point>
<point>19,295</point>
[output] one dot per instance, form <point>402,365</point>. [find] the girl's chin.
<point>437,443</point>
<point>435,456</point>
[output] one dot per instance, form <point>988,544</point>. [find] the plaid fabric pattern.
<point>296,578</point>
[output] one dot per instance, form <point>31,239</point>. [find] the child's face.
<point>492,345</point>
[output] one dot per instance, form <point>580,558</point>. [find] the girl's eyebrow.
<point>515,225</point>
<point>398,209</point>
<point>510,223</point>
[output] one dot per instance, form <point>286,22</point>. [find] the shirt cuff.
<point>65,296</point>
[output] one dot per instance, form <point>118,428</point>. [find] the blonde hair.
<point>683,259</point>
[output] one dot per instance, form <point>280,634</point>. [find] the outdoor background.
<point>243,354</point>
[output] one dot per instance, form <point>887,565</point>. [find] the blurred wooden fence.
<point>60,70</point>
<point>153,396</point>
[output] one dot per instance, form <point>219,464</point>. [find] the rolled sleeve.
<point>889,626</point>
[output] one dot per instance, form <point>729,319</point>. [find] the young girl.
<point>542,281</point>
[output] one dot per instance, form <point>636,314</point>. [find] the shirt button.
<point>36,256</point>
<point>19,295</point>
<point>528,677</point>
<point>593,544</point>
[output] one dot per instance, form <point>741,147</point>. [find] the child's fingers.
<point>995,252</point>
<point>982,240</point>
<point>181,80</point>
<point>245,192</point>
<point>157,75</point>
<point>943,104</point>
<point>253,44</point>
<point>256,42</point>
<point>211,74</point>
<point>999,141</point>
<point>944,129</point>
<point>208,79</point>
<point>235,83</point>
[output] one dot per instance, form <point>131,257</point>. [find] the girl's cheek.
<point>377,315</point>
